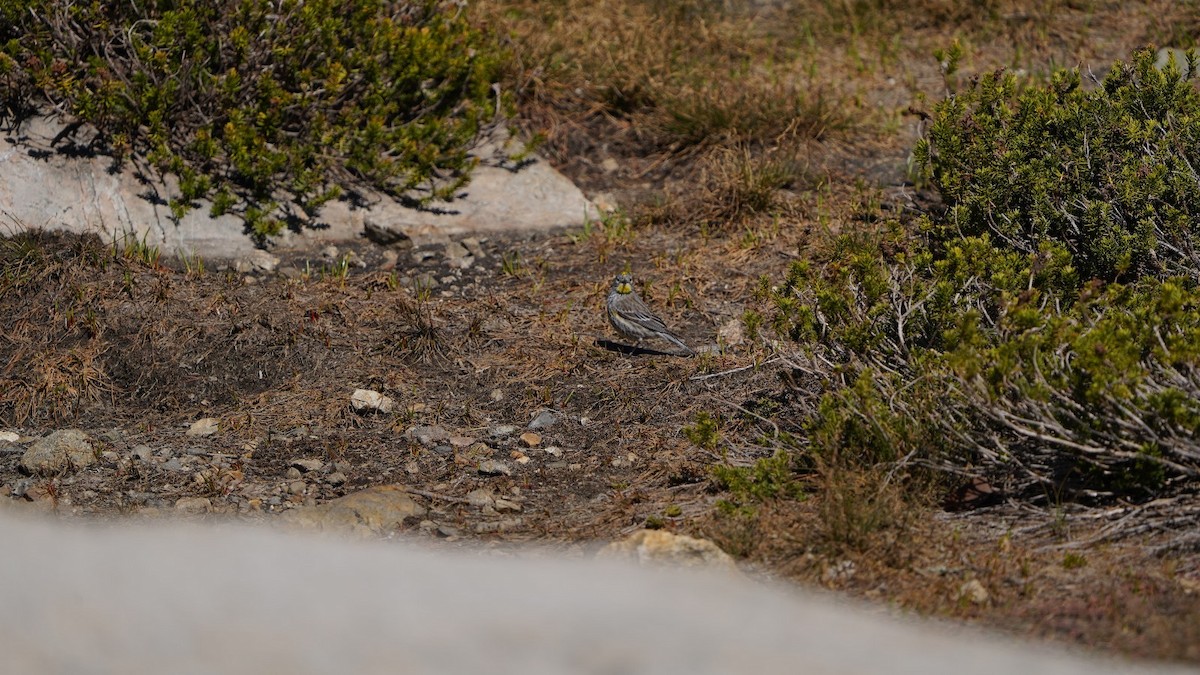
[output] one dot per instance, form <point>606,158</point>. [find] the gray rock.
<point>336,478</point>
<point>292,473</point>
<point>502,430</point>
<point>68,448</point>
<point>474,246</point>
<point>457,256</point>
<point>480,497</point>
<point>9,436</point>
<point>491,467</point>
<point>506,506</point>
<point>173,464</point>
<point>428,436</point>
<point>306,465</point>
<point>111,436</point>
<point>142,452</point>
<point>544,420</point>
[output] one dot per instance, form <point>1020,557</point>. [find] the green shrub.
<point>1108,172</point>
<point>249,103</point>
<point>1044,331</point>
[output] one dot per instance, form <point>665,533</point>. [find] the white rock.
<point>9,436</point>
<point>367,400</point>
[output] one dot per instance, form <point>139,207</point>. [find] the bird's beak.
<point>624,288</point>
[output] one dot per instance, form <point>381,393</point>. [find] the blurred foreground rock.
<point>177,597</point>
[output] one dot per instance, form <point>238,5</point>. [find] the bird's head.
<point>623,284</point>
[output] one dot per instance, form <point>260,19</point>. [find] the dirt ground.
<point>134,351</point>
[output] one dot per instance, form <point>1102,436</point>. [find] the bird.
<point>633,319</point>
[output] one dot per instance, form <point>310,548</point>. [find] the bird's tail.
<point>688,351</point>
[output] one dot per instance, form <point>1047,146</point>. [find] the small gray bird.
<point>633,319</point>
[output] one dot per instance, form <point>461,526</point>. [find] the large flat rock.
<point>54,185</point>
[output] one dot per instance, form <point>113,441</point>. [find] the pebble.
<point>554,450</point>
<point>336,478</point>
<point>491,467</point>
<point>544,420</point>
<point>142,452</point>
<point>173,464</point>
<point>296,487</point>
<point>428,435</point>
<point>506,506</point>
<point>204,427</point>
<point>461,441</point>
<point>481,497</point>
<point>292,473</point>
<point>447,530</point>
<point>497,395</point>
<point>530,439</point>
<point>502,430</point>
<point>11,437</point>
<point>306,465</point>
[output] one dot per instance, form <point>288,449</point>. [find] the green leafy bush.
<point>250,103</point>
<point>1044,331</point>
<point>1109,172</point>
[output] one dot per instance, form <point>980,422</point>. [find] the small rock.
<point>111,436</point>
<point>491,467</point>
<point>974,592</point>
<point>194,505</point>
<point>475,247</point>
<point>428,436</point>
<point>606,202</point>
<point>330,252</point>
<point>390,258</point>
<point>296,487</point>
<point>57,451</point>
<point>609,165</point>
<point>9,437</point>
<point>336,478</point>
<point>292,473</point>
<point>497,395</point>
<point>386,234</point>
<point>110,456</point>
<point>554,451</point>
<point>839,571</point>
<point>502,430</point>
<point>366,400</point>
<point>662,547</point>
<point>173,464</point>
<point>544,420</point>
<point>204,427</point>
<point>307,465</point>
<point>142,452</point>
<point>447,530</point>
<point>530,439</point>
<point>461,441</point>
<point>505,525</point>
<point>506,506</point>
<point>481,497</point>
<point>457,256</point>
<point>371,512</point>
